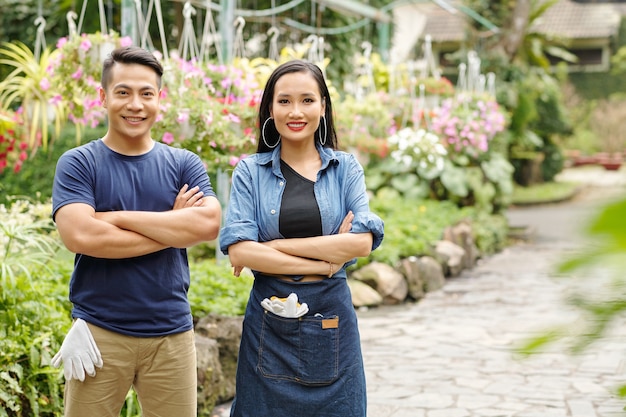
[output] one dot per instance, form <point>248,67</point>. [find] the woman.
<point>298,216</point>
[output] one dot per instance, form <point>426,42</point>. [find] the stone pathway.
<point>452,354</point>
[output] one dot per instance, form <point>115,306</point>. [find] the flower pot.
<point>610,161</point>
<point>100,52</point>
<point>612,166</point>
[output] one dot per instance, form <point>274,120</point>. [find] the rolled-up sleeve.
<point>358,201</point>
<point>239,224</point>
<point>366,221</point>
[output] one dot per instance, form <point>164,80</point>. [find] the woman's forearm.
<point>338,249</point>
<point>260,257</point>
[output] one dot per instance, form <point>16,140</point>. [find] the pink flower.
<point>233,118</point>
<point>44,84</point>
<point>233,161</point>
<point>85,44</point>
<point>126,41</point>
<point>78,73</point>
<point>168,138</point>
<point>182,117</point>
<point>56,100</point>
<point>62,41</point>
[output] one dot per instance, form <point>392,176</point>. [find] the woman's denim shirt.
<point>257,191</point>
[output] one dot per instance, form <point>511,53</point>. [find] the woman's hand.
<point>346,224</point>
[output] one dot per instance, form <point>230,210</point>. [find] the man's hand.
<point>188,197</point>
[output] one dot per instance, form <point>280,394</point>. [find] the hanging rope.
<point>40,40</point>
<point>103,21</point>
<point>273,35</point>
<point>82,17</point>
<point>431,66</point>
<point>71,24</point>
<point>210,36</point>
<point>142,24</point>
<point>188,43</point>
<point>238,45</point>
<point>312,40</point>
<point>159,14</point>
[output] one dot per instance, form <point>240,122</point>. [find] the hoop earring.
<point>323,122</point>
<point>263,135</point>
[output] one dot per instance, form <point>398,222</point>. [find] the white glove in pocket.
<point>78,352</point>
<point>285,307</point>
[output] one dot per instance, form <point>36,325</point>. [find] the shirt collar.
<point>327,154</point>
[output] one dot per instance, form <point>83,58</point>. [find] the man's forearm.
<point>112,242</point>
<point>174,228</point>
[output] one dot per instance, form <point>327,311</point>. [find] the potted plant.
<point>75,74</point>
<point>209,109</point>
<point>467,125</point>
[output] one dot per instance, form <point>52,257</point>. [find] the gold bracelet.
<point>330,268</point>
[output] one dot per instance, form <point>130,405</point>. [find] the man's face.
<point>131,100</point>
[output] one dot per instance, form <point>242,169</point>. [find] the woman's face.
<point>297,106</point>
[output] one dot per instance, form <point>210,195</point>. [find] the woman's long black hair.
<point>271,134</point>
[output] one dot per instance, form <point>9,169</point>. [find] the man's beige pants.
<point>162,371</point>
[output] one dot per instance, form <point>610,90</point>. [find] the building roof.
<point>566,19</point>
<point>572,20</point>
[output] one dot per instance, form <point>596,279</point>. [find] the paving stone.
<point>581,408</point>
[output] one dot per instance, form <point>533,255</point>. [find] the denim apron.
<point>305,367</point>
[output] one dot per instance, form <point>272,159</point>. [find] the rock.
<point>363,295</point>
<point>217,346</point>
<point>210,375</point>
<point>388,282</point>
<point>450,256</point>
<point>431,273</point>
<point>410,268</point>
<point>462,235</point>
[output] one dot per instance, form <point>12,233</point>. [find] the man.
<point>128,207</point>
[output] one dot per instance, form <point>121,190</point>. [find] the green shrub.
<point>33,311</point>
<point>214,289</point>
<point>413,226</point>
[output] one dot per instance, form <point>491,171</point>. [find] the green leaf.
<point>610,222</point>
<point>454,180</point>
<point>404,183</point>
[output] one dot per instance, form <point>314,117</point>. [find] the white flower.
<point>418,149</point>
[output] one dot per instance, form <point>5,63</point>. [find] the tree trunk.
<point>514,36</point>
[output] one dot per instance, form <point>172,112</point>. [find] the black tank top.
<point>299,212</point>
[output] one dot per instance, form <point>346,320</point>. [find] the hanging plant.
<point>75,74</point>
<point>28,86</point>
<point>209,109</point>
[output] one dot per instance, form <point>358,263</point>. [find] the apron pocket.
<point>304,350</point>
